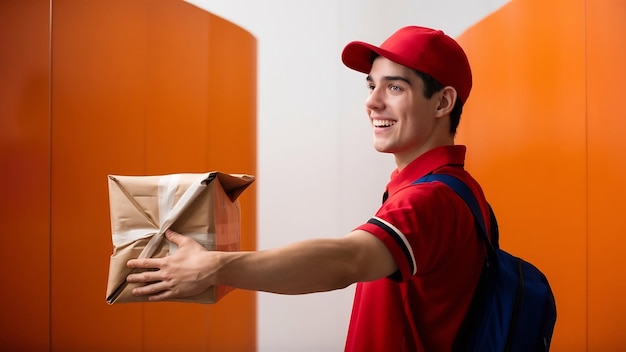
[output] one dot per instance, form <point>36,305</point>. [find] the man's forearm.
<point>304,267</point>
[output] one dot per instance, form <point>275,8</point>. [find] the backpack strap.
<point>460,188</point>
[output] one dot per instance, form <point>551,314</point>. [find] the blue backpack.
<point>513,308</point>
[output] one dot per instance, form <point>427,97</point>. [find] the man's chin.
<point>383,149</point>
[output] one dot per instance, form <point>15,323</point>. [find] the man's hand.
<point>187,272</point>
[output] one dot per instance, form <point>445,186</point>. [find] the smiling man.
<point>418,260</point>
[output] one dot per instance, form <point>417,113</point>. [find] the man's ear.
<point>447,99</point>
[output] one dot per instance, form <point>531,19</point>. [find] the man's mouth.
<point>383,123</point>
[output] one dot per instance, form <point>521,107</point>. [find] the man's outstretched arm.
<point>303,267</point>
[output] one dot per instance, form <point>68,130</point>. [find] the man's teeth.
<point>383,123</point>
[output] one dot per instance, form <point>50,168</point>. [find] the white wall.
<point>318,175</point>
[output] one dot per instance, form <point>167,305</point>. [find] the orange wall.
<point>544,125</point>
<point>123,87</point>
<point>25,175</point>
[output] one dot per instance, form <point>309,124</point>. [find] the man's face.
<point>403,120</point>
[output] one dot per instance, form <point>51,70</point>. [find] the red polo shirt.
<point>430,232</point>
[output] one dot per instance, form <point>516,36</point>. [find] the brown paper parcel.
<point>201,206</point>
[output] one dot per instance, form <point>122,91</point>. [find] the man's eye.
<point>371,86</point>
<point>395,88</point>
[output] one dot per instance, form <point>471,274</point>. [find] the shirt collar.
<point>425,164</point>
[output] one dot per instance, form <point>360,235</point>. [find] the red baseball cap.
<point>423,49</point>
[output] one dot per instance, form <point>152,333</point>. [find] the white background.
<point>318,174</point>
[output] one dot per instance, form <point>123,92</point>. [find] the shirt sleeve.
<point>417,225</point>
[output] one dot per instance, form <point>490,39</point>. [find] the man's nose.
<point>374,101</point>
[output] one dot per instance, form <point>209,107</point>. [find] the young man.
<point>418,260</point>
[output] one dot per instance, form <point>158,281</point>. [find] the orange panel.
<point>606,113</point>
<point>25,175</point>
<point>214,109</point>
<point>97,128</point>
<point>525,126</point>
<point>224,105</point>
<point>131,89</point>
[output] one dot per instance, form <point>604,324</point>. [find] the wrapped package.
<point>201,206</point>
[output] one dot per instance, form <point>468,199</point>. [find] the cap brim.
<point>359,56</point>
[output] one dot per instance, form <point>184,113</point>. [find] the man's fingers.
<point>174,237</point>
<point>146,263</point>
<point>146,276</point>
<point>182,240</point>
<point>156,263</point>
<point>155,289</point>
